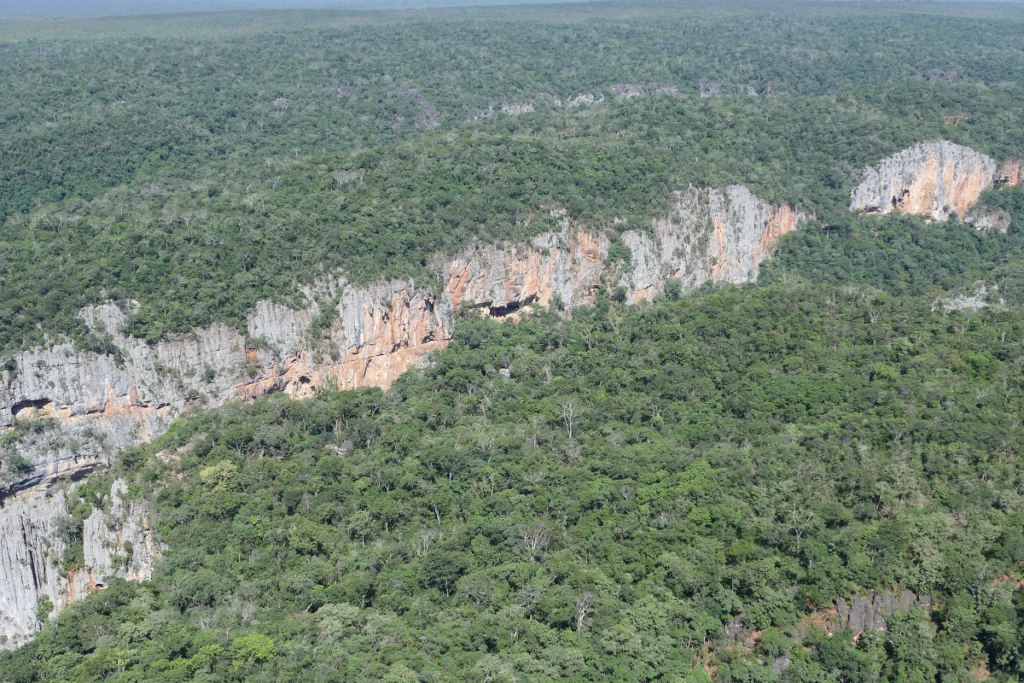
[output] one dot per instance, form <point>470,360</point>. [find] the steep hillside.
<point>66,410</point>
<point>709,484</point>
<point>753,413</point>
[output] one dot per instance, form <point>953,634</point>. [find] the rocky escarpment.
<point>566,266</point>
<point>718,235</point>
<point>34,538</point>
<point>84,404</point>
<point>64,411</point>
<point>934,179</point>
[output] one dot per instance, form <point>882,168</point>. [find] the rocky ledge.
<point>64,412</point>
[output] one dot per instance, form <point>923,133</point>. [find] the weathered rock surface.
<point>717,235</point>
<point>978,296</point>
<point>937,179</point>
<point>567,265</point>
<point>991,221</point>
<point>1010,173</point>
<point>871,611</point>
<point>350,337</point>
<point>32,552</point>
<point>118,543</point>
<point>30,556</point>
<point>933,179</point>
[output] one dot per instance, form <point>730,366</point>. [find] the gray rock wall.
<point>933,179</point>
<point>870,611</point>
<point>31,554</point>
<point>117,543</point>
<point>719,235</point>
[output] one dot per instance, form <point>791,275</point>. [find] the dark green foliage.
<point>192,177</point>
<point>644,489</point>
<point>905,255</point>
<point>747,454</point>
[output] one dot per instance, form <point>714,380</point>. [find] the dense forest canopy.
<point>593,499</point>
<point>675,491</point>
<point>369,142</point>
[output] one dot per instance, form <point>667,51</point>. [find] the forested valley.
<point>702,487</point>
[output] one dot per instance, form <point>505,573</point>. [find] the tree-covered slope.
<point>159,95</point>
<point>198,170</point>
<point>193,251</point>
<point>908,255</point>
<point>593,499</point>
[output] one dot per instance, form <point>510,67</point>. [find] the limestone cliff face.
<point>32,553</point>
<point>718,235</point>
<point>933,179</point>
<point>83,406</point>
<point>502,280</point>
<point>97,403</point>
<point>30,556</point>
<point>1010,173</point>
<point>375,334</point>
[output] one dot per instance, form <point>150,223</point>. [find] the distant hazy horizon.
<point>10,9</point>
<point>25,9</point>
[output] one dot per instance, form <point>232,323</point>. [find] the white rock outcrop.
<point>934,179</point>
<point>717,235</point>
<point>83,406</point>
<point>118,543</point>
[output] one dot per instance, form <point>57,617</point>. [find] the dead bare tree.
<point>570,415</point>
<point>584,607</point>
<point>534,537</point>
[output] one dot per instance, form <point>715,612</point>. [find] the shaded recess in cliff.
<point>372,333</point>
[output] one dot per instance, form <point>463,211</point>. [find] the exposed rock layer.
<point>717,235</point>
<point>118,543</point>
<point>872,610</point>
<point>934,179</point>
<point>351,337</point>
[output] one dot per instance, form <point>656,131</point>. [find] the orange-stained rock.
<point>932,179</point>
<point>717,235</point>
<point>503,280</point>
<point>380,331</point>
<point>1009,173</point>
<point>783,220</point>
<point>101,402</point>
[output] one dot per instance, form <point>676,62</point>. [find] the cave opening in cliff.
<point>30,407</point>
<point>509,308</point>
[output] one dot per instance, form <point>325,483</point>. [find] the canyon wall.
<point>718,235</point>
<point>34,545</point>
<point>934,179</point>
<point>64,412</point>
